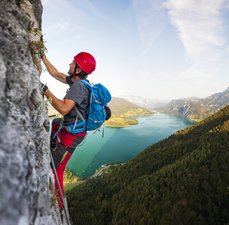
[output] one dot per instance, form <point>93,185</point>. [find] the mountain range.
<point>183,179</point>
<point>197,108</point>
<point>192,108</point>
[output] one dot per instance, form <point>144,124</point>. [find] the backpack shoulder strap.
<point>87,84</point>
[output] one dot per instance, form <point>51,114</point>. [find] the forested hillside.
<point>122,107</point>
<point>183,179</point>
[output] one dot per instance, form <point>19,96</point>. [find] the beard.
<point>69,72</point>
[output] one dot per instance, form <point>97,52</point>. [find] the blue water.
<point>122,144</point>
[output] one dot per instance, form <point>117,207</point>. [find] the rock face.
<point>26,193</point>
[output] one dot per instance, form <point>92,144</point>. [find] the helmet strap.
<point>74,73</point>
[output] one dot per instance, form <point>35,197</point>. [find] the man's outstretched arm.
<point>53,71</point>
<point>62,106</point>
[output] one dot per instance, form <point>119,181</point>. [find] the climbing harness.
<point>76,127</point>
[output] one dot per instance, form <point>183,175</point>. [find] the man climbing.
<point>73,107</point>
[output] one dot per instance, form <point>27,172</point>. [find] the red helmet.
<point>85,61</point>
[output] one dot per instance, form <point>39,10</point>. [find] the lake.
<point>122,144</point>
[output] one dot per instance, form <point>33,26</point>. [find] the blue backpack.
<point>99,97</point>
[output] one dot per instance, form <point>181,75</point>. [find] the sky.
<point>159,49</point>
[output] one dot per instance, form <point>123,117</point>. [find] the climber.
<point>62,143</point>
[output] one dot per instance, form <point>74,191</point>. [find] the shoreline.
<point>125,120</point>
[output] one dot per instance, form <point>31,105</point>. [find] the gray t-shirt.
<point>79,93</point>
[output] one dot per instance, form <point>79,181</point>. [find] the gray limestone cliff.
<point>26,182</point>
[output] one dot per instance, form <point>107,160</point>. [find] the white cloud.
<point>92,8</point>
<point>198,23</point>
<point>227,4</point>
<point>150,18</point>
<point>202,29</point>
<point>59,27</point>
